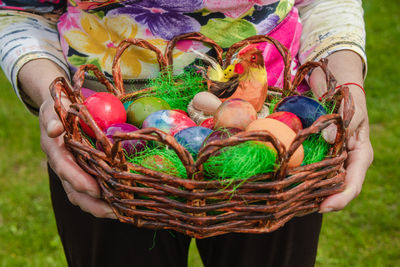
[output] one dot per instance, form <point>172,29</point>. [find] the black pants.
<point>90,241</point>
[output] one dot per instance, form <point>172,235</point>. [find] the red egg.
<point>181,111</point>
<point>208,123</point>
<point>288,118</point>
<point>106,110</point>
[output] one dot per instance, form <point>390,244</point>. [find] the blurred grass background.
<point>366,233</point>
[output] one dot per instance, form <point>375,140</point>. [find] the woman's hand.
<point>81,188</point>
<point>346,66</point>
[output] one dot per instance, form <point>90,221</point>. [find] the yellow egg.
<point>206,102</point>
<point>283,133</point>
<point>234,113</point>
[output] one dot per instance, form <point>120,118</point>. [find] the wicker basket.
<point>195,206</point>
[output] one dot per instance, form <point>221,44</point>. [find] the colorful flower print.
<point>98,38</point>
<point>164,18</point>
<point>234,8</point>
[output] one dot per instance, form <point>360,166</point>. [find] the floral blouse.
<point>90,31</point>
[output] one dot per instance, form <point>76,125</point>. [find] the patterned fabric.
<point>91,30</point>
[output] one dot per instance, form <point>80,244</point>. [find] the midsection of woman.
<point>90,31</point>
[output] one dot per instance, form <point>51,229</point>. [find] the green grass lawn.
<point>366,233</point>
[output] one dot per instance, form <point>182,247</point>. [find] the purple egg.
<point>132,147</point>
<point>192,138</point>
<point>87,92</point>
<point>307,109</point>
<point>221,134</point>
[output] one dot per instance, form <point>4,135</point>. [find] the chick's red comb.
<point>239,69</point>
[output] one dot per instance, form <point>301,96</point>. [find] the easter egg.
<point>181,111</point>
<point>127,104</point>
<point>283,133</point>
<point>169,121</point>
<point>132,147</point>
<point>221,134</point>
<point>206,102</point>
<point>192,138</point>
<point>208,123</point>
<point>288,118</point>
<point>87,92</point>
<point>141,108</point>
<point>307,109</point>
<point>106,110</point>
<point>160,163</point>
<point>234,113</point>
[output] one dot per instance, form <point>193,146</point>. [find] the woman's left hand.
<point>346,66</point>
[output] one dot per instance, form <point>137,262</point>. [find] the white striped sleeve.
<point>330,26</point>
<point>25,37</point>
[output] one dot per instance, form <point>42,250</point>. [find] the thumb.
<point>49,120</point>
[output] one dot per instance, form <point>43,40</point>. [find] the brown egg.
<point>234,113</point>
<point>206,102</point>
<point>284,134</point>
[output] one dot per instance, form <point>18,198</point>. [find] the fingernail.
<point>52,126</point>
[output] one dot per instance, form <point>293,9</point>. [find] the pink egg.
<point>234,113</point>
<point>106,109</point>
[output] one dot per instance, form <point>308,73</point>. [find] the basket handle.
<point>304,69</point>
<point>194,36</point>
<point>79,79</point>
<point>285,53</point>
<point>116,68</point>
<point>153,134</point>
<point>57,88</point>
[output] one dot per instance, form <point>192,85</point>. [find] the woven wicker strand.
<point>196,206</point>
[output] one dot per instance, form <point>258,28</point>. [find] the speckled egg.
<point>283,133</point>
<point>169,121</point>
<point>307,109</point>
<point>192,138</point>
<point>234,113</point>
<point>141,108</point>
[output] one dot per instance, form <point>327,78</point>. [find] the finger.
<point>357,164</point>
<point>94,206</point>
<point>63,163</point>
<point>49,119</point>
<point>317,82</point>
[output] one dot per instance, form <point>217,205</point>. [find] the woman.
<point>89,32</point>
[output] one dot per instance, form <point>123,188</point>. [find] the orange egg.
<point>283,133</point>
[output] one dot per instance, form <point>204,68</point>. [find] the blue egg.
<point>127,103</point>
<point>307,109</point>
<point>192,138</point>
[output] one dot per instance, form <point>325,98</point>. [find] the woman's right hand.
<point>81,188</point>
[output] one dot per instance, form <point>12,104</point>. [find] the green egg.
<point>141,108</point>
